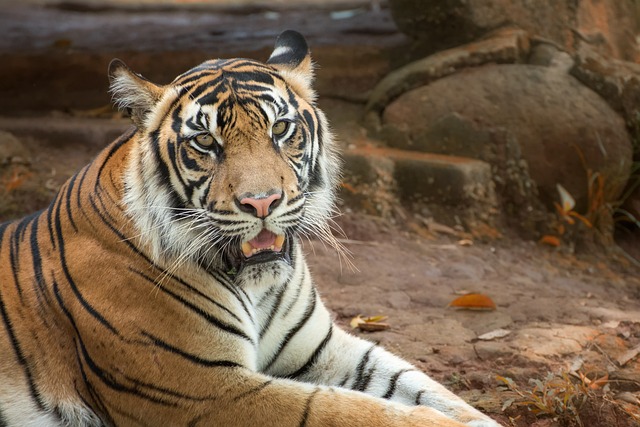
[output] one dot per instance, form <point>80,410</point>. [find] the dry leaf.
<point>436,227</point>
<point>373,326</point>
<point>497,333</point>
<point>628,356</point>
<point>369,324</point>
<point>599,382</point>
<point>567,201</point>
<point>473,302</point>
<point>550,240</point>
<point>628,397</point>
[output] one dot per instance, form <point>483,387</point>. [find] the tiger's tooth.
<point>247,250</point>
<point>279,242</point>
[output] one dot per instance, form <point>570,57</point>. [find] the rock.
<point>442,24</point>
<point>482,322</point>
<point>505,46</point>
<point>550,55</point>
<point>526,121</point>
<point>616,81</point>
<point>559,340</point>
<point>441,182</point>
<point>11,149</point>
<point>489,350</point>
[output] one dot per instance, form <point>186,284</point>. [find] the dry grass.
<point>573,400</point>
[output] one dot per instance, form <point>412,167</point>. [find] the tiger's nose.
<point>260,207</point>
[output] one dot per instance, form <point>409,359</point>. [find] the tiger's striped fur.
<point>149,293</point>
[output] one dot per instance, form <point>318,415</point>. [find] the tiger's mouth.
<point>265,247</point>
<point>263,242</point>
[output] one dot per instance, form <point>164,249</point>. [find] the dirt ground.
<point>559,349</point>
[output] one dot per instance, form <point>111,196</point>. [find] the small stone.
<point>12,150</point>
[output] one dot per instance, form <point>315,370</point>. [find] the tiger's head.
<point>233,161</point>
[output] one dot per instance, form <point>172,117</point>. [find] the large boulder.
<point>505,46</point>
<point>609,26</point>
<point>537,126</point>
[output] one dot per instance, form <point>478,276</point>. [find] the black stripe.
<point>199,311</point>
<point>79,193</point>
<point>35,395</point>
<point>67,200</point>
<point>228,221</point>
<point>3,228</point>
<point>195,74</point>
<point>292,332</point>
<point>13,259</point>
<point>165,175</point>
<point>72,284</point>
<point>106,377</point>
<point>307,408</point>
<point>14,248</point>
<point>294,300</point>
<point>419,397</point>
<point>240,295</point>
<point>41,290</point>
<point>360,369</point>
<point>253,390</point>
<point>124,239</point>
<point>344,380</point>
<point>111,382</point>
<point>3,420</point>
<point>99,404</point>
<point>190,357</point>
<point>259,76</point>
<point>274,310</point>
<point>295,199</point>
<point>314,356</point>
<point>50,210</point>
<point>393,383</point>
<point>174,153</point>
<point>212,97</point>
<point>123,139</point>
<point>366,379</point>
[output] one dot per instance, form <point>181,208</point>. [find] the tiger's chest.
<point>281,311</point>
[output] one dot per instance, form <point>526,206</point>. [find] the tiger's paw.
<point>483,423</point>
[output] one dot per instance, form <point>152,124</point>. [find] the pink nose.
<point>260,207</point>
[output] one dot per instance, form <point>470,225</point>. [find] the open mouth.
<point>266,246</point>
<point>264,241</point>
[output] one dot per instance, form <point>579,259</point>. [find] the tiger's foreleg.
<point>349,362</point>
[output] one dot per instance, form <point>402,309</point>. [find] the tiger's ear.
<point>132,92</point>
<point>291,57</point>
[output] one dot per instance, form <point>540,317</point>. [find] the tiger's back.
<point>39,257</point>
<point>166,283</point>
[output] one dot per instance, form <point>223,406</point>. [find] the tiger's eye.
<point>205,140</point>
<point>279,128</point>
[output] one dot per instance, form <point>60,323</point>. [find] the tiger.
<point>166,285</point>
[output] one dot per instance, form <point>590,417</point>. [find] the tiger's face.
<point>233,161</point>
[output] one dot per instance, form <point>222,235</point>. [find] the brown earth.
<point>573,315</point>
